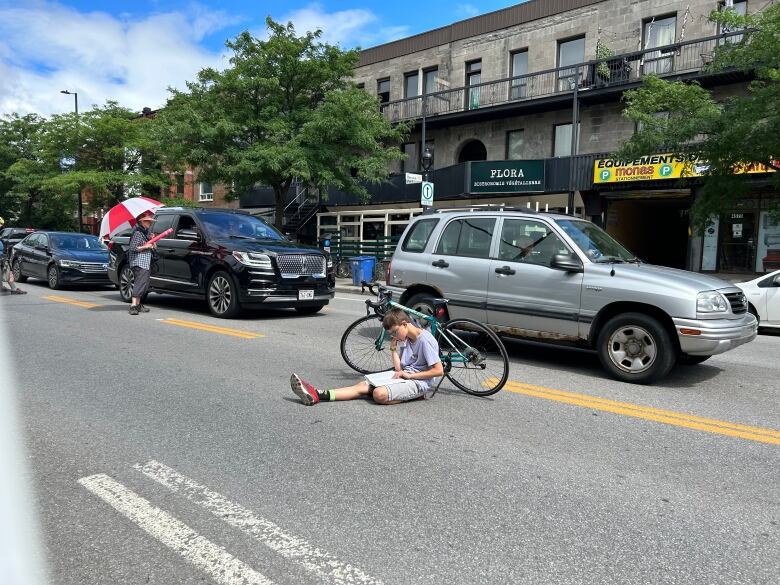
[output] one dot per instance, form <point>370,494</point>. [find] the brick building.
<point>498,93</point>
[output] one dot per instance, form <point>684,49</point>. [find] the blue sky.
<point>132,52</point>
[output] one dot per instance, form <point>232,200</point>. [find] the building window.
<point>431,80</point>
<point>740,7</point>
<point>205,192</point>
<point>180,185</point>
<point>660,115</point>
<point>659,32</point>
<point>571,52</point>
<point>383,90</point>
<point>562,139</point>
<point>410,162</point>
<point>519,66</point>
<point>411,84</point>
<point>514,144</point>
<point>473,77</point>
<point>361,86</point>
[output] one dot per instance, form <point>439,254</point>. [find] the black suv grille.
<point>738,303</point>
<point>301,264</point>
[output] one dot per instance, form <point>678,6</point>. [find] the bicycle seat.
<point>440,303</point>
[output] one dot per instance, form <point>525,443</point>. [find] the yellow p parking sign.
<point>426,194</point>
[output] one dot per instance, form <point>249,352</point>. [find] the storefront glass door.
<point>737,244</point>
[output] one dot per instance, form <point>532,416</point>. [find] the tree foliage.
<point>284,110</point>
<point>106,152</point>
<point>742,129</point>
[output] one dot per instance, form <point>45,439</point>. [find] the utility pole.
<point>76,108</point>
<point>575,115</point>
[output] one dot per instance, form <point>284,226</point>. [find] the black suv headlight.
<point>262,261</point>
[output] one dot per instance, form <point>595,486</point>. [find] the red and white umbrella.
<point>122,216</point>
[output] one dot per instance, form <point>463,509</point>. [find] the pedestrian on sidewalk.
<point>5,271</point>
<point>416,371</point>
<point>139,253</point>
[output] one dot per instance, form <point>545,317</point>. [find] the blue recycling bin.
<point>362,269</point>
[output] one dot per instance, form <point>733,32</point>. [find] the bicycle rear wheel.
<point>359,346</point>
<point>474,357</point>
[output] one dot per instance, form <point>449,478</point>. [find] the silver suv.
<point>562,279</point>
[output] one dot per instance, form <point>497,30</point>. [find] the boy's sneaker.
<point>143,308</point>
<point>305,391</point>
<point>133,310</point>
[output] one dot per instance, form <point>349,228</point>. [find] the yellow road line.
<point>213,328</point>
<point>670,417</point>
<point>69,301</point>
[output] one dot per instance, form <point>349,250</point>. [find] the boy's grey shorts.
<point>403,390</point>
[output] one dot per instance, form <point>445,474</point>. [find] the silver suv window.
<point>467,237</point>
<point>418,236</point>
<point>529,242</point>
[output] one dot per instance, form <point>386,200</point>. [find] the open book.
<point>381,378</point>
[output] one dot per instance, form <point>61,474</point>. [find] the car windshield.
<point>595,242</point>
<point>239,226</point>
<point>77,242</point>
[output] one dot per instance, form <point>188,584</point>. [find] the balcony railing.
<point>677,59</point>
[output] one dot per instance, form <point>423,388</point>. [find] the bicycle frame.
<point>435,328</point>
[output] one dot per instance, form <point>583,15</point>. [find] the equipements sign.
<point>660,166</point>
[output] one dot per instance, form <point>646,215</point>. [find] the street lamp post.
<point>76,108</point>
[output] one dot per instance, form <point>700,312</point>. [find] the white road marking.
<point>320,563</point>
<point>358,300</point>
<point>204,554</point>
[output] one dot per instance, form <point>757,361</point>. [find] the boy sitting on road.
<point>416,368</point>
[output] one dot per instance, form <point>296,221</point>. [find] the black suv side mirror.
<point>567,262</point>
<point>191,235</point>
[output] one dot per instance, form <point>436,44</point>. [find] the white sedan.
<point>763,294</point>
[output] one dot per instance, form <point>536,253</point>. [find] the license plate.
<point>305,295</point>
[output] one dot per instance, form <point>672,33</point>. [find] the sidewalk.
<point>344,285</point>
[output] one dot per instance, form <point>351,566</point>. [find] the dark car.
<point>61,258</point>
<point>11,236</point>
<point>232,260</point>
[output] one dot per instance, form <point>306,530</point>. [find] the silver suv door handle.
<point>440,264</point>
<point>504,270</point>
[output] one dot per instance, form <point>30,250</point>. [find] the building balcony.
<point>598,79</point>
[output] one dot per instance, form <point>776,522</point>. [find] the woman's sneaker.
<point>305,391</point>
<point>133,310</point>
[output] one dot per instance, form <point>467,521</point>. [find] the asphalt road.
<point>164,452</point>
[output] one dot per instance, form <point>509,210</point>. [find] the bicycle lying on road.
<point>473,356</point>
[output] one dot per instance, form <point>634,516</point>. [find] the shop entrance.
<point>655,229</point>
<point>737,243</point>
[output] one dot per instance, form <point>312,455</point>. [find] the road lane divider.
<point>211,558</point>
<point>325,567</point>
<point>70,301</point>
<point>212,328</point>
<point>670,417</point>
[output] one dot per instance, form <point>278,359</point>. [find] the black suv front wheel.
<point>222,295</point>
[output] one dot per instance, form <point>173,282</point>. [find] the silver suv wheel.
<point>632,349</point>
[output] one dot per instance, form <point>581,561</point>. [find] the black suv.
<point>230,258</point>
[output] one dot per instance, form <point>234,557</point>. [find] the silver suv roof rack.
<point>481,207</point>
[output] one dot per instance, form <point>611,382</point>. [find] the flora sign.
<point>506,176</point>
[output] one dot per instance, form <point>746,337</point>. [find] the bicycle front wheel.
<point>366,347</point>
<point>474,357</point>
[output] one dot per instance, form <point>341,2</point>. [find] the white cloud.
<point>346,28</point>
<point>47,47</point>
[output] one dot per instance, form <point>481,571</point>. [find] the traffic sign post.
<point>426,194</point>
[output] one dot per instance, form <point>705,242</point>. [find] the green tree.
<point>743,129</point>
<point>24,171</point>
<point>284,110</point>
<point>107,151</point>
